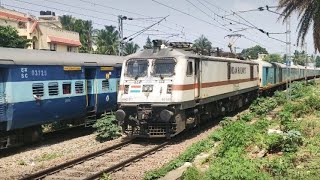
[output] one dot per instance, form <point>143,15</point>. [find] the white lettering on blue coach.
<point>24,73</point>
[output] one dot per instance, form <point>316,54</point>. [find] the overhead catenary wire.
<point>207,15</point>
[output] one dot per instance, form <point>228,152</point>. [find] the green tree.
<point>252,53</point>
<point>299,57</point>
<point>273,58</point>
<point>84,28</point>
<point>9,37</point>
<point>107,40</point>
<point>318,61</point>
<point>67,22</point>
<point>309,13</point>
<point>203,45</point>
<point>130,48</point>
<point>148,44</point>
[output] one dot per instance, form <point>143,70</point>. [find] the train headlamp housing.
<point>169,89</point>
<point>126,89</point>
<point>147,88</point>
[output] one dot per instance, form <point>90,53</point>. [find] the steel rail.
<point>125,162</point>
<point>51,170</point>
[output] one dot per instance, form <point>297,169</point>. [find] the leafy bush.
<point>191,173</point>
<point>234,166</point>
<point>280,97</point>
<point>262,106</point>
<point>286,121</point>
<point>286,142</point>
<point>107,128</point>
<point>279,167</point>
<point>238,134</point>
<point>247,117</point>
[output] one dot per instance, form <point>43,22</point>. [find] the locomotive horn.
<point>120,115</point>
<point>166,115</point>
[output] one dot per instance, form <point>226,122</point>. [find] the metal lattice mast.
<point>288,55</point>
<point>120,26</point>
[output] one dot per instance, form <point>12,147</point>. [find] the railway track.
<point>94,165</point>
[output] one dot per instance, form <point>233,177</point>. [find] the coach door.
<point>197,79</point>
<point>90,75</point>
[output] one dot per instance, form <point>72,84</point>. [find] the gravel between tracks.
<point>38,158</point>
<point>41,157</point>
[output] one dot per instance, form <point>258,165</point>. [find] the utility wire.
<point>207,15</point>
<point>187,14</point>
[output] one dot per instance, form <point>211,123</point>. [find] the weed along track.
<point>94,165</point>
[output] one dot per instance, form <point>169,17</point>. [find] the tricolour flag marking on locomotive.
<point>135,89</point>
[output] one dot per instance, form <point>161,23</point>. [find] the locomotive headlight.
<point>120,115</point>
<point>126,89</point>
<point>147,88</point>
<point>166,115</point>
<point>169,89</point>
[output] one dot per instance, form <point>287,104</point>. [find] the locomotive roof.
<point>40,57</point>
<point>172,52</point>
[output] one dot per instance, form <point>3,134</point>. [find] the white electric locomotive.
<point>167,89</point>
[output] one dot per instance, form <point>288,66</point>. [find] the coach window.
<point>189,68</point>
<point>164,67</point>
<point>66,86</point>
<point>37,89</point>
<point>105,85</point>
<point>53,88</point>
<point>79,87</point>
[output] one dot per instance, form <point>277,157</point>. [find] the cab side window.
<point>189,68</point>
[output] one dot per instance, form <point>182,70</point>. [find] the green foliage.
<point>262,106</point>
<point>203,45</point>
<point>252,53</point>
<point>300,57</point>
<point>280,97</point>
<point>108,41</point>
<point>106,176</point>
<point>318,61</point>
<point>278,167</point>
<point>9,38</point>
<point>187,156</point>
<point>234,166</point>
<point>273,58</point>
<point>83,27</point>
<point>191,173</point>
<point>247,117</point>
<point>298,90</point>
<point>130,48</point>
<point>236,135</point>
<point>107,128</point>
<point>286,121</point>
<point>286,142</point>
<point>148,44</point>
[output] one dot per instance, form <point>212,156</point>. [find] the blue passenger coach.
<point>39,87</point>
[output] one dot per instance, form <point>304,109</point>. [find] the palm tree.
<point>130,48</point>
<point>309,13</point>
<point>67,22</point>
<point>107,40</point>
<point>202,44</point>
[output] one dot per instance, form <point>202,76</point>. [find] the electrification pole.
<point>120,26</point>
<point>288,54</point>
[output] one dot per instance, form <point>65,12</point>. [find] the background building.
<point>45,31</point>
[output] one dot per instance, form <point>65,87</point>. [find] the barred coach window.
<point>79,87</point>
<point>53,89</point>
<point>37,89</point>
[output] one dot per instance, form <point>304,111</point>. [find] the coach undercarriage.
<point>148,121</point>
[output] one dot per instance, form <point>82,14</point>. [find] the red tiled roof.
<point>12,16</point>
<point>59,40</point>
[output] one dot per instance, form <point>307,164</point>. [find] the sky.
<point>186,22</point>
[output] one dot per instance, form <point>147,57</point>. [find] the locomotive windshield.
<point>164,67</point>
<point>137,68</point>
